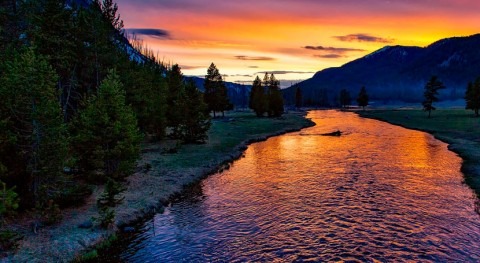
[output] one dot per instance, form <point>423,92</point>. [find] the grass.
<point>228,133</point>
<point>459,128</point>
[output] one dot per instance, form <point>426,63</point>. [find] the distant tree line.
<point>77,100</point>
<point>266,96</point>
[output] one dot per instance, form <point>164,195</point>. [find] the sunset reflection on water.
<point>376,193</point>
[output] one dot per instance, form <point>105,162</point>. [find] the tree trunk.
<point>214,114</point>
<point>429,112</point>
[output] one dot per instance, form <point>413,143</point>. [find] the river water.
<point>377,193</point>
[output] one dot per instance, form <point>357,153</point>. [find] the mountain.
<point>237,93</point>
<point>398,73</point>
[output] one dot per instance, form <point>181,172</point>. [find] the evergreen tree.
<point>51,32</point>
<point>257,98</point>
<point>146,87</point>
<point>431,91</point>
<point>472,96</point>
<point>215,95</point>
<point>106,137</point>
<point>34,131</point>
<point>298,98</point>
<point>175,90</point>
<point>345,99</point>
<point>195,120</point>
<point>362,98</point>
<point>275,97</point>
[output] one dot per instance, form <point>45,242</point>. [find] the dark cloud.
<point>189,67</point>
<point>240,75</point>
<point>254,58</point>
<point>363,38</point>
<point>151,32</point>
<point>335,50</point>
<point>329,56</point>
<point>283,72</point>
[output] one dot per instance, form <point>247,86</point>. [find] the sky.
<point>291,38</point>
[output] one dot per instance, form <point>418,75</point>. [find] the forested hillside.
<point>77,100</point>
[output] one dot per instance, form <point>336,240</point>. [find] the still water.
<point>377,193</point>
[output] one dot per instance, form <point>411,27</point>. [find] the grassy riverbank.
<point>163,171</point>
<point>459,128</point>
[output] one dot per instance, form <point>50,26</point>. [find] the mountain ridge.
<point>398,72</point>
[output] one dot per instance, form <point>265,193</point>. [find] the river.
<point>377,193</point>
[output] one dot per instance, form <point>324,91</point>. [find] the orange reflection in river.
<point>377,193</point>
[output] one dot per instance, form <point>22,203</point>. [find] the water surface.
<point>378,192</point>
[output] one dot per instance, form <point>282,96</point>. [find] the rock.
<point>87,224</point>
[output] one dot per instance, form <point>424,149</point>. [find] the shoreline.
<point>466,148</point>
<point>153,186</point>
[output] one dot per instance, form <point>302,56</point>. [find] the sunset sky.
<point>292,38</point>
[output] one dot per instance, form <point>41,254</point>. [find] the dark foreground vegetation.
<point>78,98</point>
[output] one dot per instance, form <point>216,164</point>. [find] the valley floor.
<point>163,171</point>
<point>459,128</point>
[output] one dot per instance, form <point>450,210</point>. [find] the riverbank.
<point>162,172</point>
<point>459,128</point>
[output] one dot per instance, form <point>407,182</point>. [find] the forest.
<point>78,99</point>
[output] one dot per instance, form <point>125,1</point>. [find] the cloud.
<point>252,66</point>
<point>329,56</point>
<point>254,58</point>
<point>336,50</point>
<point>240,75</point>
<point>283,72</point>
<point>151,32</point>
<point>363,38</point>
<point>189,67</point>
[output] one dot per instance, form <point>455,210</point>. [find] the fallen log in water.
<point>335,133</point>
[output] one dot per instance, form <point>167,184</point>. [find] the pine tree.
<point>345,98</point>
<point>146,91</point>
<point>472,96</point>
<point>175,89</point>
<point>275,97</point>
<point>362,98</point>
<point>298,98</point>
<point>257,98</point>
<point>34,128</point>
<point>431,91</point>
<point>195,120</point>
<point>51,32</point>
<point>215,95</point>
<point>106,138</point>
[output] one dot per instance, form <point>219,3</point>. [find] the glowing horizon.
<point>295,39</point>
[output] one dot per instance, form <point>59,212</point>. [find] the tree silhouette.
<point>298,98</point>
<point>275,98</point>
<point>258,98</point>
<point>362,98</point>
<point>431,91</point>
<point>215,95</point>
<point>175,89</point>
<point>195,120</point>
<point>345,98</point>
<point>472,96</point>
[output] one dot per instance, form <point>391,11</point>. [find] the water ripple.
<point>379,193</point>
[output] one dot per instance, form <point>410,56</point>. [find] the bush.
<point>110,193</point>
